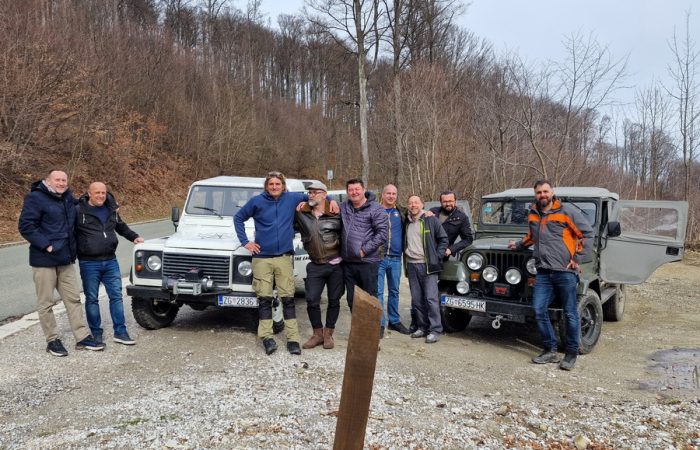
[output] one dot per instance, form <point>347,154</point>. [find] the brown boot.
<point>316,339</point>
<point>328,338</point>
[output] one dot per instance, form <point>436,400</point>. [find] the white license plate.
<point>463,303</point>
<point>238,302</point>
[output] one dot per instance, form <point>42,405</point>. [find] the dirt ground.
<point>205,382</point>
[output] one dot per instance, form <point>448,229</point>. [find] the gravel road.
<point>206,383</point>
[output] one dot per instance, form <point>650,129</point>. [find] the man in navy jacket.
<point>47,221</point>
<point>273,212</point>
<point>365,232</point>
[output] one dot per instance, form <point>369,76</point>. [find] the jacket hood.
<point>41,187</point>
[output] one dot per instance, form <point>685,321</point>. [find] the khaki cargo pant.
<point>269,273</point>
<point>63,279</point>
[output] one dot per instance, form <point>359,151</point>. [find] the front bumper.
<point>208,298</point>
<point>507,310</point>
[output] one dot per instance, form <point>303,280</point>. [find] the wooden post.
<point>358,379</point>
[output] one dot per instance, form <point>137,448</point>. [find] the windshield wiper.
<point>211,210</point>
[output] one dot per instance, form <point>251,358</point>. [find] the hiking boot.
<point>568,362</point>
<point>270,346</point>
<point>315,340</point>
<point>418,334</point>
<point>548,356</point>
<point>124,339</point>
<point>293,348</point>
<point>89,343</point>
<point>432,338</point>
<point>328,342</point>
<point>56,348</point>
<point>381,332</point>
<point>398,326</point>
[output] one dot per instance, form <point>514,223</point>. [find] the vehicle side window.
<point>649,221</point>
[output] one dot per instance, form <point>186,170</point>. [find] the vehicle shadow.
<point>520,338</point>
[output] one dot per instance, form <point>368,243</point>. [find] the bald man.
<point>96,232</point>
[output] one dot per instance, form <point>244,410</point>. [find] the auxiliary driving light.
<point>513,276</point>
<point>490,274</point>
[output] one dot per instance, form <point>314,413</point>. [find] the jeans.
<point>106,272</point>
<point>389,267</point>
<point>424,298</point>
<point>318,276</point>
<point>548,285</point>
<point>362,275</point>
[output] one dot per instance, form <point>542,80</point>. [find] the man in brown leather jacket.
<point>320,233</point>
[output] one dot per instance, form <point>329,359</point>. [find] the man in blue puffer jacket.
<point>365,232</point>
<point>47,221</point>
<point>273,212</point>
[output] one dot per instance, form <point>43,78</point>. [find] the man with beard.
<point>320,233</point>
<point>455,222</point>
<point>562,238</point>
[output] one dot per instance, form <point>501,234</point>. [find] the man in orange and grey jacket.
<point>562,238</point>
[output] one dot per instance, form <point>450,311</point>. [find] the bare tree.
<point>686,93</point>
<point>357,26</point>
<point>559,103</point>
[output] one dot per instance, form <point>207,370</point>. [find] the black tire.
<point>614,308</point>
<point>590,313</point>
<point>454,320</point>
<point>152,314</point>
<point>277,326</point>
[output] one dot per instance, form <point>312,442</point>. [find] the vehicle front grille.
<point>505,260</point>
<point>216,267</point>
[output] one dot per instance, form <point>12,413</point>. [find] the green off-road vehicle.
<point>632,239</point>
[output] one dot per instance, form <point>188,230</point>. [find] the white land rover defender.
<point>203,264</point>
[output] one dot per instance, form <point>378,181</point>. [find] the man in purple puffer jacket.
<point>365,232</point>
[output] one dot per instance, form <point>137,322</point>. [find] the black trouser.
<point>318,276</point>
<point>362,275</point>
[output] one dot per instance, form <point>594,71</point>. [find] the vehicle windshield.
<point>218,200</point>
<point>515,211</point>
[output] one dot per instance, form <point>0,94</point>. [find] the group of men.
<point>60,229</point>
<point>358,243</point>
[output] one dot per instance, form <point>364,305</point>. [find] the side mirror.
<point>175,216</point>
<point>614,229</point>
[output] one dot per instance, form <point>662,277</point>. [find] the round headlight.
<point>475,261</point>
<point>245,268</point>
<point>530,266</point>
<point>463,287</point>
<point>139,254</point>
<point>154,263</point>
<point>490,274</point>
<point>513,276</point>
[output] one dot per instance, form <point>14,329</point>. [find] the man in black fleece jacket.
<point>96,233</point>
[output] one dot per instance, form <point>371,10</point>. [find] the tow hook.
<point>496,324</point>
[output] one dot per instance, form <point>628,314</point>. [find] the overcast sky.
<point>535,29</point>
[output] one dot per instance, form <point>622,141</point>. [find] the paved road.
<point>17,295</point>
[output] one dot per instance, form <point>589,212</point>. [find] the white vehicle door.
<point>653,232</point>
